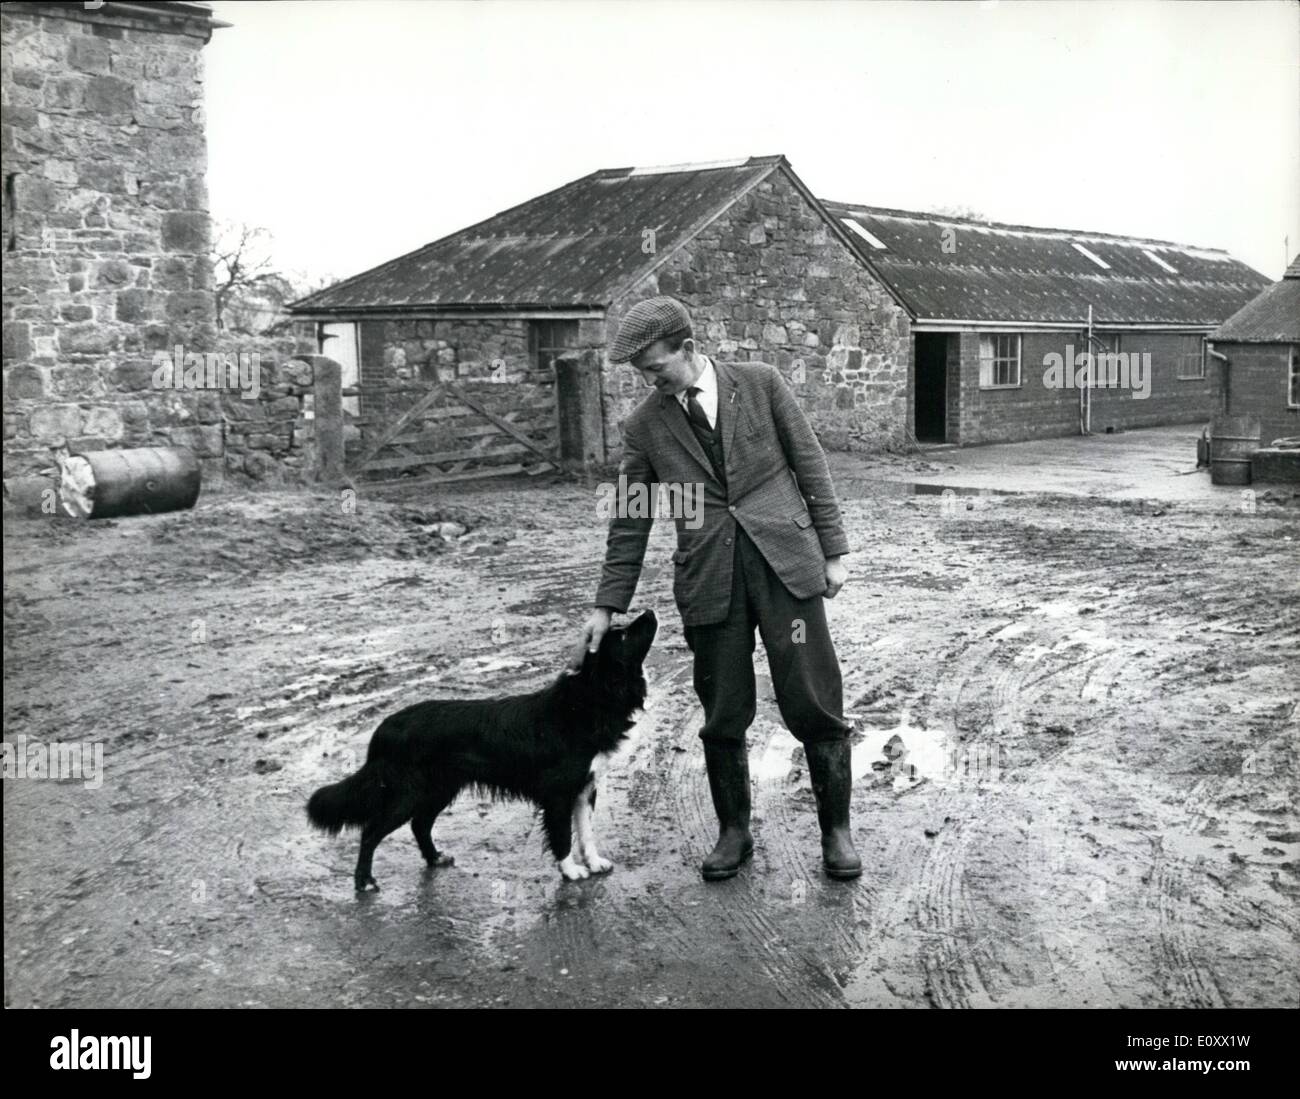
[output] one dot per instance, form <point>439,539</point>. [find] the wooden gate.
<point>432,434</point>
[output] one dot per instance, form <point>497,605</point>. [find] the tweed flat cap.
<point>646,322</point>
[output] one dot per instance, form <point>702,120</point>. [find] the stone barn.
<point>995,306</point>
<point>531,297</point>
<point>1261,343</point>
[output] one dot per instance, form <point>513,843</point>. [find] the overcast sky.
<point>356,130</point>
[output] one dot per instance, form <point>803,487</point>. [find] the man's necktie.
<point>696,411</point>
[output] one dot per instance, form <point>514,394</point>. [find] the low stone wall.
<point>257,432</point>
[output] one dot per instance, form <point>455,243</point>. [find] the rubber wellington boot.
<point>728,768</point>
<point>832,783</point>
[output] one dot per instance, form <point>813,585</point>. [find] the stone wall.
<point>769,281</point>
<point>269,439</point>
<point>107,240</point>
<point>106,231</point>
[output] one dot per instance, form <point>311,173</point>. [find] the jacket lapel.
<point>670,411</point>
<point>728,404</point>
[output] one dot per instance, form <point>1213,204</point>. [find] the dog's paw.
<point>364,884</point>
<point>441,860</point>
<point>573,870</point>
<point>598,865</point>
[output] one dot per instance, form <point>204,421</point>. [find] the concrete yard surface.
<point>1155,463</point>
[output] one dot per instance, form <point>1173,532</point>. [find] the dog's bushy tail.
<point>355,800</point>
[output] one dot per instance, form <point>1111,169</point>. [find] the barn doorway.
<point>338,340</point>
<point>931,387</point>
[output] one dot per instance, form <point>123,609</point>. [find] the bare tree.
<point>244,275</point>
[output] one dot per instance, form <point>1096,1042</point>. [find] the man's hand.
<point>592,631</point>
<point>836,574</point>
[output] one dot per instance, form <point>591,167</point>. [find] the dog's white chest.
<point>599,764</point>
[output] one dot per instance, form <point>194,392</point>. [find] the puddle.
<point>862,487</point>
<point>913,753</point>
<point>1059,609</point>
<point>777,759</point>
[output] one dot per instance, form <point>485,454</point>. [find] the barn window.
<point>1191,357</point>
<point>1293,382</point>
<point>999,360</point>
<point>548,341</point>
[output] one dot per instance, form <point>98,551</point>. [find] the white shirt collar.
<point>708,386</point>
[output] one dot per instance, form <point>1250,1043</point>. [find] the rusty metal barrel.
<point>102,484</point>
<point>1233,439</point>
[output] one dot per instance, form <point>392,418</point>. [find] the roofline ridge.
<point>688,166</point>
<point>927,215</point>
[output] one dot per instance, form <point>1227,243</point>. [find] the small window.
<point>549,340</point>
<point>1191,357</point>
<point>999,360</point>
<point>1293,380</point>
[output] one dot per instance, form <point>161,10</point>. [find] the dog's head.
<point>610,686</point>
<point>623,649</point>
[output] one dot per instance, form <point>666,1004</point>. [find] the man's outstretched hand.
<point>592,631</point>
<point>836,575</point>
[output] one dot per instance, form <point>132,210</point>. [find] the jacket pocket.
<point>803,522</point>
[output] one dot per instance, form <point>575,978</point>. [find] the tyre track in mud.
<point>1085,731</point>
<point>963,960</point>
<point>740,901</point>
<point>966,957</point>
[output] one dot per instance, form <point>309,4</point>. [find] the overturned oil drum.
<point>103,484</point>
<point>1233,439</point>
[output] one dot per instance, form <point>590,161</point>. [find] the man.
<point>767,552</point>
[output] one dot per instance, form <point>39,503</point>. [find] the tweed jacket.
<point>778,490</point>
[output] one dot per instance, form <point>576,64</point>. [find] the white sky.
<point>356,130</point>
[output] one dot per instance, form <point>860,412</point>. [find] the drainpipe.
<point>1085,391</point>
<point>1092,375</point>
<point>1227,376</point>
<point>1084,410</point>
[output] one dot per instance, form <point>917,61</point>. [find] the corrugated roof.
<point>1273,317</point>
<point>576,246</point>
<point>999,273</point>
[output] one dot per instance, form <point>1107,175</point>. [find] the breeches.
<point>805,671</point>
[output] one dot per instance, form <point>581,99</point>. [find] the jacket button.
<point>732,507</point>
<point>728,542</point>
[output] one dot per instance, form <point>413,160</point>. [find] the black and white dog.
<point>548,747</point>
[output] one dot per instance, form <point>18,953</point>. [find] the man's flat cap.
<point>646,322</point>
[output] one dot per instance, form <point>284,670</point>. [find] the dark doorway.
<point>931,387</point>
